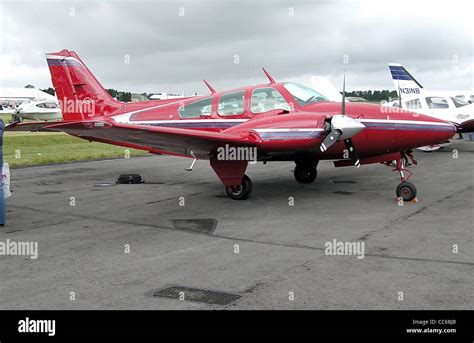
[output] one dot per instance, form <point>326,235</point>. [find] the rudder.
<point>79,93</point>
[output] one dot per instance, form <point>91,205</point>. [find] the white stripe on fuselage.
<point>396,121</point>
<point>289,130</point>
<point>181,121</point>
<point>125,118</point>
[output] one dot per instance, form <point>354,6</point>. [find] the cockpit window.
<point>267,99</point>
<point>231,104</point>
<point>304,95</point>
<point>459,102</point>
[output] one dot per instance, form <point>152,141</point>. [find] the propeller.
<point>342,127</point>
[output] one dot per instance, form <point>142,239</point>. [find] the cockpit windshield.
<point>304,95</point>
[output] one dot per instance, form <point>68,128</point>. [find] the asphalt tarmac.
<point>178,242</point>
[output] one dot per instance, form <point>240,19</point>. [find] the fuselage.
<point>289,127</point>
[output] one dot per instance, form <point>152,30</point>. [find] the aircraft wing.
<point>168,140</point>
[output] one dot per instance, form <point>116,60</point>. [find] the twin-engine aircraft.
<point>278,121</point>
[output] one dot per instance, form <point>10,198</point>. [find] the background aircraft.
<point>452,106</point>
<point>29,103</point>
<point>39,110</point>
<point>281,121</point>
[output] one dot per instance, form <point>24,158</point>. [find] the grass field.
<point>21,149</point>
<point>6,118</point>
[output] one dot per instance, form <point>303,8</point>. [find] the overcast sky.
<point>172,45</point>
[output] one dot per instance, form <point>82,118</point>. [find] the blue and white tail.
<point>403,80</point>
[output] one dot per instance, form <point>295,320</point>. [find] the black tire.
<point>241,192</point>
<point>406,191</point>
<point>305,173</point>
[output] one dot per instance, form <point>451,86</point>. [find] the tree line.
<point>119,95</point>
<point>374,95</point>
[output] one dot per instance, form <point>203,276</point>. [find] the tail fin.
<point>403,80</point>
<point>80,94</point>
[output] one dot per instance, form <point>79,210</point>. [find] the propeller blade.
<point>330,139</point>
<point>353,156</point>
<point>342,127</point>
<point>343,104</point>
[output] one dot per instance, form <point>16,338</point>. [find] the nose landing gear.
<point>405,190</point>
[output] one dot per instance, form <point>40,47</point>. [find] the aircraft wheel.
<point>407,191</point>
<point>305,173</point>
<point>241,192</point>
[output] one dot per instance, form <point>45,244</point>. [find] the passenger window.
<point>267,99</point>
<point>459,102</point>
<point>196,109</point>
<point>413,104</point>
<point>231,104</point>
<point>437,102</point>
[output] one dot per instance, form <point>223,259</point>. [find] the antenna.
<point>268,75</point>
<point>210,87</point>
<point>399,95</point>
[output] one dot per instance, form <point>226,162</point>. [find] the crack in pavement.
<point>247,240</point>
<point>389,225</point>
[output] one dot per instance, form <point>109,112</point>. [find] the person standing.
<point>2,196</point>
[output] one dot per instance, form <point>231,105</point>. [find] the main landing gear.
<point>305,171</point>
<point>405,190</point>
<point>232,174</point>
<point>242,191</point>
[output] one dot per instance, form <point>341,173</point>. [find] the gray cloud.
<point>173,53</point>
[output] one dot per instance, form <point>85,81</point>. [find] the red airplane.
<point>278,121</point>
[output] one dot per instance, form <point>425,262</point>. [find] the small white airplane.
<point>165,96</point>
<point>44,110</point>
<point>29,103</point>
<point>453,106</point>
